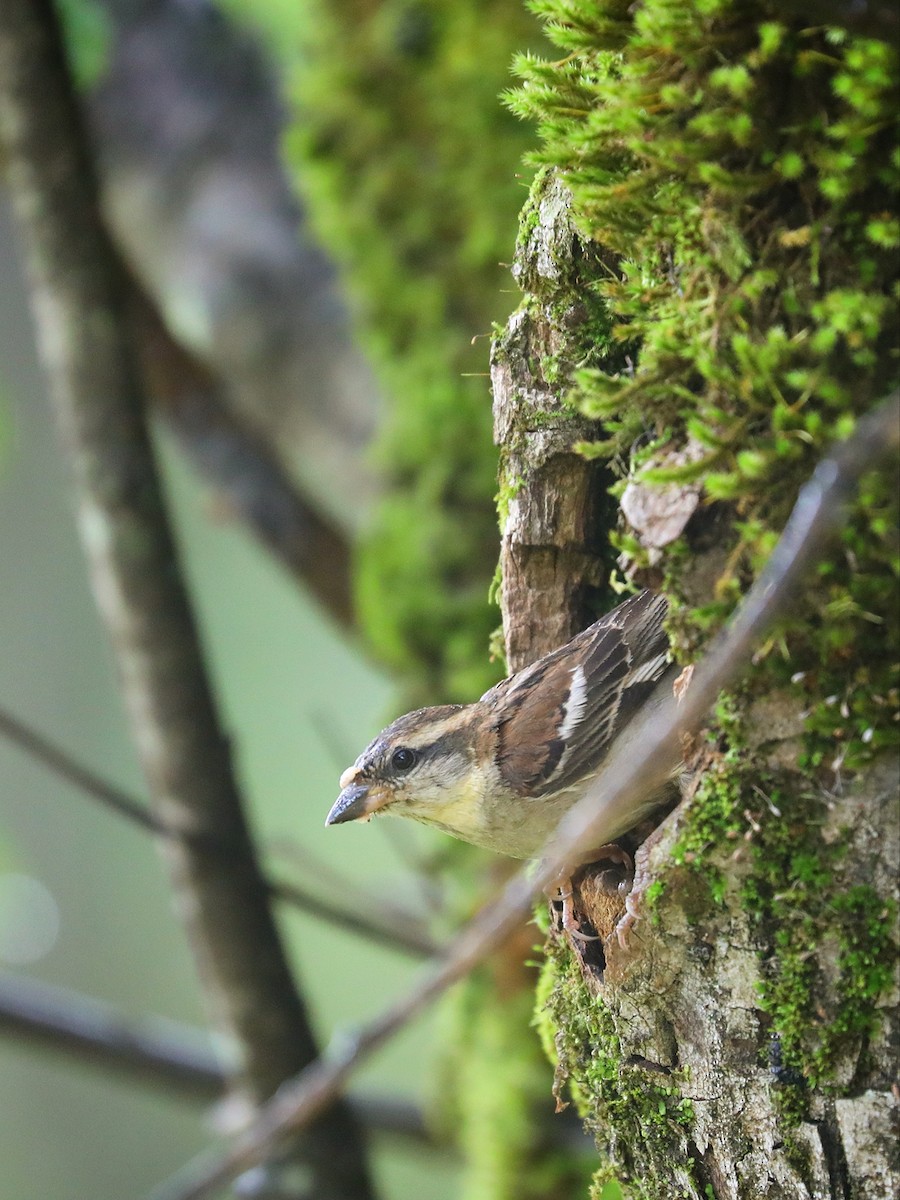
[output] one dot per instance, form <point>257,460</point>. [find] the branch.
<point>147,1051</point>
<point>814,518</point>
<point>397,930</point>
<point>79,297</point>
<point>62,764</point>
<point>177,1057</point>
<point>239,460</point>
<point>154,1051</point>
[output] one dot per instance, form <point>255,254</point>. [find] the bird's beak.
<point>357,801</point>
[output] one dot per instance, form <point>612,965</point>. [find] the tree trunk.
<point>742,1044</point>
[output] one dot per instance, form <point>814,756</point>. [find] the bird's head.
<point>420,766</point>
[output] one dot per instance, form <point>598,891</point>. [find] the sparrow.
<point>502,772</point>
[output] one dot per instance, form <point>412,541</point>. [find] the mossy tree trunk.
<point>743,1042</point>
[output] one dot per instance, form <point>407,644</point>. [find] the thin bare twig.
<point>79,295</point>
<point>68,768</point>
<point>397,931</point>
<point>815,516</point>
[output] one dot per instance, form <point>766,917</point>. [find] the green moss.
<point>652,896</point>
<point>627,1111</point>
<point>800,905</point>
<point>827,946</point>
<point>88,33</point>
<point>814,1041</point>
<point>509,489</point>
<point>716,812</point>
<point>737,169</point>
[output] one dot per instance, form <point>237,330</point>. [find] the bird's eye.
<point>404,759</point>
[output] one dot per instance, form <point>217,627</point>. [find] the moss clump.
<point>410,167</point>
<point>829,942</point>
<point>88,31</point>
<point>806,912</point>
<point>741,168</point>
<point>798,893</point>
<point>719,804</point>
<point>628,1112</point>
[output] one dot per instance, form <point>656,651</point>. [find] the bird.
<point>501,772</point>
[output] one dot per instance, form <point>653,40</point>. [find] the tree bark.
<point>676,1054</point>
<point>552,500</point>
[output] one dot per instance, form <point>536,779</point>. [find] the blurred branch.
<point>152,1050</point>
<point>242,464</point>
<point>79,297</point>
<point>68,768</point>
<point>396,929</point>
<point>815,516</point>
<point>148,1050</point>
<point>177,1057</point>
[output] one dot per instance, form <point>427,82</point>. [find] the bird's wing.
<point>557,719</point>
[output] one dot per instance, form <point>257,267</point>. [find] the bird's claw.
<point>569,920</point>
<point>626,924</point>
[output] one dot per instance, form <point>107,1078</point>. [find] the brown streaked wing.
<point>528,721</point>
<point>621,658</point>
